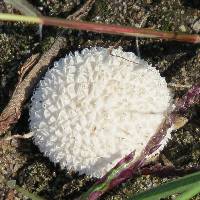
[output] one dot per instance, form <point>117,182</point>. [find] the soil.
<point>178,62</point>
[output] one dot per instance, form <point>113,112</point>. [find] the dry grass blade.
<point>24,7</point>
<point>104,28</point>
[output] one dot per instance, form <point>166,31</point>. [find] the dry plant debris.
<point>12,112</point>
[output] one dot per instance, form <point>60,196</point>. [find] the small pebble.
<point>196,26</point>
<point>182,28</point>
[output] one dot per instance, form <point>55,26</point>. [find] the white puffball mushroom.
<point>93,108</point>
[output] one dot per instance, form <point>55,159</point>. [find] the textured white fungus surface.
<point>92,108</point>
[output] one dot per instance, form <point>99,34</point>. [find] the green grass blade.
<point>177,186</point>
<point>12,184</point>
<point>24,7</point>
<point>193,191</point>
<point>22,18</point>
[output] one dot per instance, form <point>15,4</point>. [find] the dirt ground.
<point>178,62</point>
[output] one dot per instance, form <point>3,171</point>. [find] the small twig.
<point>121,57</point>
<point>27,66</point>
<point>83,11</point>
<point>17,136</point>
<point>179,86</point>
<point>24,88</point>
<point>116,44</point>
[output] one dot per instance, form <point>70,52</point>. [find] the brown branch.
<point>24,88</point>
<point>27,66</point>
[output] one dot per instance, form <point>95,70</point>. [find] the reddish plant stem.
<point>120,30</point>
<point>104,28</point>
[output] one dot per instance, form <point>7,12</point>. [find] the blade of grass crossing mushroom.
<point>103,28</point>
<point>128,165</point>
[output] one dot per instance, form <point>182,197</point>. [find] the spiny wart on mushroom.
<point>93,108</point>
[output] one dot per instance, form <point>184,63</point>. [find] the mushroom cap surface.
<point>93,108</point>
